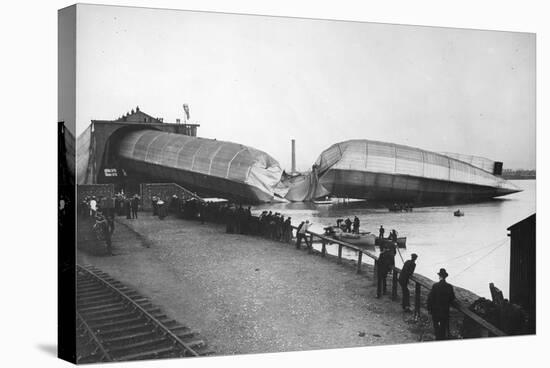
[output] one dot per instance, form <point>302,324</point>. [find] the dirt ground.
<point>247,294</point>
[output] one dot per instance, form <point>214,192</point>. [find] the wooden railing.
<point>418,282</point>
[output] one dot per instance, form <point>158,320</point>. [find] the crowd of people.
<point>271,225</point>
<point>238,219</point>
<point>110,206</point>
<point>349,226</point>
<point>103,209</point>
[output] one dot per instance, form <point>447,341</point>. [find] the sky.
<point>262,81</point>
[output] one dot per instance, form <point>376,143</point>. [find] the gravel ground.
<point>250,295</point>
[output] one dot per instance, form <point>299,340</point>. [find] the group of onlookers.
<point>238,219</point>
<point>103,210</point>
<point>119,205</point>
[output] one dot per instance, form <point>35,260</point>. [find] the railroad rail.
<point>419,284</point>
<point>115,323</point>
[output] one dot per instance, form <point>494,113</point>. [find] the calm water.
<point>475,248</point>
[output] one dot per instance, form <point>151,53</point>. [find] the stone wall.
<point>97,190</point>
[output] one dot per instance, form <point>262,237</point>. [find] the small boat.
<point>323,202</point>
<point>401,242</point>
<point>400,208</point>
<point>365,239</point>
<point>458,213</point>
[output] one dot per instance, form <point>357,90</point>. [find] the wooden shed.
<point>523,267</point>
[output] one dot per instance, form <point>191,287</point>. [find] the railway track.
<point>115,323</point>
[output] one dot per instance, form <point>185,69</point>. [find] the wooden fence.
<point>419,284</point>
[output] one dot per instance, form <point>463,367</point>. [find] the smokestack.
<point>186,110</point>
<point>293,170</point>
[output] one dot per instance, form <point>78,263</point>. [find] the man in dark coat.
<point>154,200</point>
<point>348,225</point>
<point>299,235</point>
<point>381,232</point>
<point>393,236</point>
<point>102,231</point>
<point>386,261</point>
<point>439,300</point>
<point>161,208</point>
<point>128,208</point>
<point>135,206</point>
<point>288,229</point>
<point>356,224</point>
<point>406,273</point>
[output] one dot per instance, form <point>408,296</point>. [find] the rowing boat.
<point>385,242</point>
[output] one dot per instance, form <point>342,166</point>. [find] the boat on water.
<point>326,200</point>
<point>322,202</point>
<point>386,242</point>
<point>397,208</point>
<point>363,239</point>
<point>458,213</point>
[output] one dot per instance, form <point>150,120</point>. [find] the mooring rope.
<point>481,258</point>
<point>468,253</point>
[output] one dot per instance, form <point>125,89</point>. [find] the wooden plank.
<point>417,291</point>
<point>480,321</point>
<point>394,285</point>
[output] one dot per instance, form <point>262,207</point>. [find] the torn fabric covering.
<point>305,187</point>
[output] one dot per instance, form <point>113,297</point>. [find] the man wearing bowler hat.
<point>439,300</point>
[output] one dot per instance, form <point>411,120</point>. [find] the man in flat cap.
<point>439,300</point>
<point>404,275</point>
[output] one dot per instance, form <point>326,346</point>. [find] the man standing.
<point>101,228</point>
<point>381,232</point>
<point>406,273</point>
<point>93,207</point>
<point>301,234</point>
<point>154,201</point>
<point>348,225</point>
<point>439,300</point>
<point>393,236</point>
<point>287,230</point>
<point>356,224</point>
<point>161,209</point>
<point>128,208</point>
<point>135,206</point>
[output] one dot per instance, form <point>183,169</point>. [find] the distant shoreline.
<point>514,177</point>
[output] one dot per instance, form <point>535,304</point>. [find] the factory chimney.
<point>293,170</point>
<point>187,116</point>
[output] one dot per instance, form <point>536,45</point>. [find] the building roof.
<point>138,116</point>
<point>531,220</point>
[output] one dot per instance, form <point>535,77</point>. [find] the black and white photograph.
<point>244,184</point>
